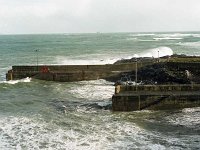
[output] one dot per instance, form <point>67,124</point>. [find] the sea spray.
<point>103,59</point>
<point>25,80</point>
<point>157,52</point>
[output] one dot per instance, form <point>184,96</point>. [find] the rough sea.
<point>31,111</point>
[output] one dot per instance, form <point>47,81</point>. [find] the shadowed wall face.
<point>68,73</point>
<point>132,98</point>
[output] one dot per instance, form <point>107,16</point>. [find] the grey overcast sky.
<point>75,16</point>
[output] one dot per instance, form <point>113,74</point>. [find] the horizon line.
<point>96,32</point>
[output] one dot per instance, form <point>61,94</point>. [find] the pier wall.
<point>68,73</point>
<point>132,98</point>
<point>91,72</point>
<point>157,88</point>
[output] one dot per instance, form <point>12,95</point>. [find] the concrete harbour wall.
<point>132,98</point>
<point>68,73</point>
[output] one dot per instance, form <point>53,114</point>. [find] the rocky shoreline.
<point>175,69</point>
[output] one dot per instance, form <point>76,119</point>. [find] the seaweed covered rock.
<point>160,73</point>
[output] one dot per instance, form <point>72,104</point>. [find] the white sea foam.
<point>164,36</point>
<point>168,38</point>
<point>132,39</point>
<point>191,44</point>
<point>155,52</point>
<point>174,36</point>
<point>189,117</point>
<point>96,82</point>
<point>181,35</point>
<point>27,133</point>
<point>191,110</point>
<point>25,80</point>
<point>186,35</point>
<point>196,35</point>
<point>163,51</point>
<point>143,34</point>
<point>81,131</point>
<point>141,40</point>
<point>89,60</point>
<point>93,90</point>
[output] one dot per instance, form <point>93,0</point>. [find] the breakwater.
<point>168,82</point>
<point>164,70</point>
<point>69,73</point>
<point>132,98</point>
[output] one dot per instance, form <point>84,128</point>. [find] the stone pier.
<point>69,73</point>
<point>133,98</point>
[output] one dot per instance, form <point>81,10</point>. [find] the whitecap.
<point>147,40</point>
<point>156,52</point>
<point>143,34</point>
<point>28,133</point>
<point>131,39</point>
<point>167,38</point>
<point>175,35</point>
<point>85,60</point>
<point>25,80</point>
<point>190,44</point>
<point>188,117</point>
<point>196,35</point>
<point>93,90</point>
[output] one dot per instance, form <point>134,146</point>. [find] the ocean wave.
<point>105,132</point>
<point>190,44</point>
<point>93,90</point>
<point>78,130</point>
<point>87,60</point>
<point>155,52</point>
<point>168,38</point>
<point>110,59</point>
<point>163,36</point>
<point>29,133</point>
<point>181,35</point>
<point>95,82</point>
<point>176,35</point>
<point>189,117</point>
<point>25,133</point>
<point>143,34</point>
<point>132,39</point>
<point>141,40</point>
<point>25,80</point>
<point>187,35</point>
<point>196,35</point>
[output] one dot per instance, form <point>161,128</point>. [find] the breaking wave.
<point>90,60</point>
<point>189,117</point>
<point>156,52</point>
<point>25,80</point>
<point>168,38</point>
<point>93,90</point>
<point>27,133</point>
<point>191,44</point>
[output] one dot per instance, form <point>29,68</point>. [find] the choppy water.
<point>31,111</point>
